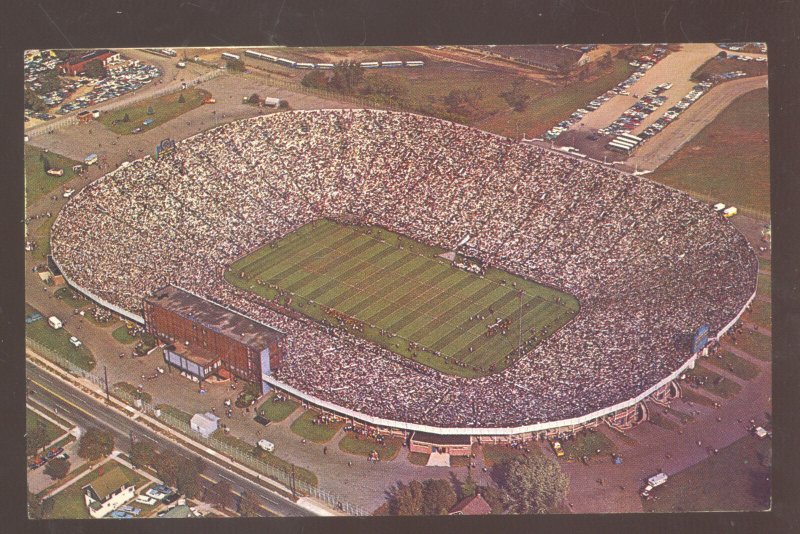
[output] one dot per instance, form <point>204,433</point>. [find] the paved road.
<point>661,147</point>
<point>87,412</point>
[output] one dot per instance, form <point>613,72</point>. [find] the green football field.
<point>398,293</point>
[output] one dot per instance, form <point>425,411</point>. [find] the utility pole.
<point>105,374</point>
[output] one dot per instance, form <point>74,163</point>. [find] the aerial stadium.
<point>413,274</point>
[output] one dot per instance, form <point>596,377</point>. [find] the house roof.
<point>214,317</point>
<point>475,505</point>
<point>179,511</point>
<point>438,439</point>
<point>205,420</point>
<point>109,482</point>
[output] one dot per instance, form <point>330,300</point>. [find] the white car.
<point>155,494</point>
<point>149,501</point>
<point>75,341</point>
<point>68,193</point>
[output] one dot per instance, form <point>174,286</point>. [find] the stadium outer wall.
<point>378,422</point>
<point>471,431</point>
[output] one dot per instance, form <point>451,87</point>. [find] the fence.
<point>69,121</point>
<point>243,457</point>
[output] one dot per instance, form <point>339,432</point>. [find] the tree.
<point>126,118</point>
<point>532,485</point>
<point>407,499</point>
<point>143,453</point>
<point>48,82</point>
<point>315,79</point>
<point>95,69</point>
<point>36,438</point>
<point>249,506</point>
<point>181,99</point>
<point>95,444</point>
<point>57,468</point>
<point>254,98</point>
<point>515,96</point>
<point>235,65</point>
<point>45,163</point>
<point>469,487</point>
<point>347,76</point>
<point>34,101</point>
<point>493,498</point>
<point>220,495</point>
<point>187,478</point>
<point>439,497</point>
<point>166,465</point>
<point>38,508</point>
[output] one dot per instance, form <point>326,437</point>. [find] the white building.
<point>108,492</point>
<point>204,423</point>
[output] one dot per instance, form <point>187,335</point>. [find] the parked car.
<point>149,501</point>
<point>75,341</point>
<point>171,498</point>
<point>557,448</point>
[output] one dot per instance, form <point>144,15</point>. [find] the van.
<point>266,445</point>
<point>54,322</point>
<point>75,342</point>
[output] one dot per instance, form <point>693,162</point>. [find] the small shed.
<point>204,423</point>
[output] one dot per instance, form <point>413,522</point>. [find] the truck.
<point>266,445</point>
<point>729,212</point>
<point>54,322</point>
<point>653,482</point>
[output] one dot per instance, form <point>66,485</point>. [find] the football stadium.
<point>423,276</point>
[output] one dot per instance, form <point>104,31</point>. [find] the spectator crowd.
<point>647,263</point>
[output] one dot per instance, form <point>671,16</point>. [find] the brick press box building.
<point>204,338</point>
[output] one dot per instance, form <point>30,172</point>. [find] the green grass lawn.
<point>42,238</point>
<point>362,446</point>
<point>761,314</point>
<point>691,395</point>
<point>765,264</point>
<point>728,161</point>
<point>397,293</point>
<point>37,182</point>
<point>130,391</point>
<point>174,412</point>
<point>418,458</point>
<point>58,342</point>
<point>715,383</point>
<point>721,66</point>
<point>586,444</point>
<point>121,335</point>
<point>304,427</point>
<point>765,286</point>
<point>425,90</point>
<point>755,344</point>
<point>733,480</point>
<point>735,365</point>
<point>495,454</point>
<point>165,108</point>
<point>277,410</point>
<point>71,298</point>
<point>32,420</point>
<point>659,419</point>
<point>69,503</point>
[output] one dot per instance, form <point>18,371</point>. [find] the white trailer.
<point>54,322</point>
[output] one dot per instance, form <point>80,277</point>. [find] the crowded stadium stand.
<point>648,264</point>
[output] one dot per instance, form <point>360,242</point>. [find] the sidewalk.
<point>175,436</point>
